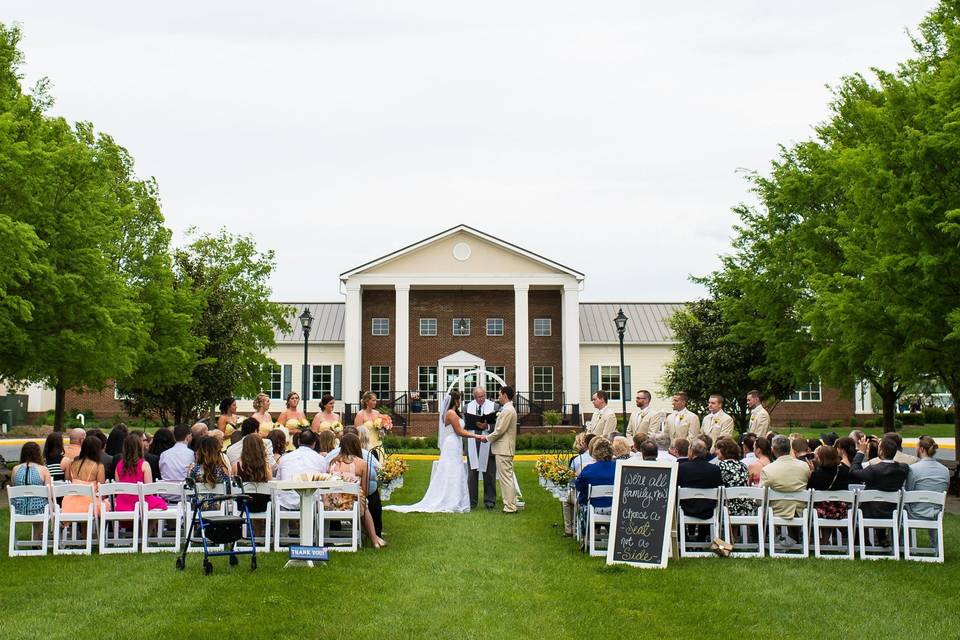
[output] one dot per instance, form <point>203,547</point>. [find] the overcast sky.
<point>605,135</point>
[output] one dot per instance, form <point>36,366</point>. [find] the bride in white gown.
<point>447,492</point>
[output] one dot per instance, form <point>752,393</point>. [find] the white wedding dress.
<point>447,492</point>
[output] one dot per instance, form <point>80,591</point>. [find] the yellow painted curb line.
<point>526,457</point>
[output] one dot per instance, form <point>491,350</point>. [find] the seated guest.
<point>302,460</point>
<point>747,456</point>
<point>707,440</point>
<point>336,450</point>
<point>662,441</point>
<point>648,450</point>
<point>86,468</point>
<point>133,468</point>
<point>350,466</point>
<point>248,427</point>
<point>599,473</point>
<point>681,446</point>
<point>800,448</point>
<point>278,443</point>
<point>175,461</point>
<point>30,471</point>
<point>830,439</point>
<point>763,455</point>
<point>72,450</point>
<point>886,475</point>
<point>829,475</point>
<point>734,474</point>
<point>846,449</point>
<point>327,442</point>
<point>198,432</point>
<point>786,474</point>
<point>926,475</point>
<point>152,460</point>
<point>901,457</point>
<point>698,473</point>
<point>252,466</point>
<point>621,448</point>
<point>162,440</point>
<point>582,458</point>
<point>374,504</point>
<point>53,455</point>
<point>210,468</point>
<point>115,440</point>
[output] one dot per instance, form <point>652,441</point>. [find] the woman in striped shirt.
<point>53,454</point>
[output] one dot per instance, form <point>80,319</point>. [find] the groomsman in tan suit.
<point>604,420</point>
<point>646,420</point>
<point>759,418</point>
<point>717,423</point>
<point>682,423</point>
<point>503,444</point>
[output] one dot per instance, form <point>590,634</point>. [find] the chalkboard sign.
<point>644,494</point>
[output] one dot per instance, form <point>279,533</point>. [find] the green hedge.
<point>532,442</point>
<point>936,415</point>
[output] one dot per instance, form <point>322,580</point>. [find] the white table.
<point>307,489</point>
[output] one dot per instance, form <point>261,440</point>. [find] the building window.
<point>321,380</point>
<point>543,383</point>
<point>275,391</point>
<point>461,326</point>
<point>427,383</point>
<point>381,326</point>
<point>494,326</point>
<point>542,327</point>
<point>380,381</point>
<point>493,385</point>
<point>808,393</point>
<point>428,326</point>
<point>610,382</point>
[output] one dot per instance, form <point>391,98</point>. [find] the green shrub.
<point>818,425</point>
<point>912,418</point>
<point>934,415</point>
<point>836,425</point>
<point>552,418</point>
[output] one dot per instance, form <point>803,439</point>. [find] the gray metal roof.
<point>646,321</point>
<point>327,322</point>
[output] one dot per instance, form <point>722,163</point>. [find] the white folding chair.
<point>845,547</point>
<point>27,547</point>
<point>325,517</point>
<point>800,519</point>
<point>112,541</point>
<point>282,518</point>
<point>173,517</point>
<point>195,543</point>
<point>597,517</point>
<point>697,549</point>
<point>912,524</point>
<point>745,523</point>
<point>266,517</point>
<point>873,550</point>
<point>68,545</point>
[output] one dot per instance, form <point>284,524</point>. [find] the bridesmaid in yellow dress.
<point>227,422</point>
<point>326,419</point>
<point>291,417</point>
<point>261,407</point>
<point>370,418</point>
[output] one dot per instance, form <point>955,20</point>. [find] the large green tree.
<point>708,360</point>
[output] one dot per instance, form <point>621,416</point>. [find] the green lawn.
<point>482,575</point>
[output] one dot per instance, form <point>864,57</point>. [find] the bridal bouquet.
<point>383,424</point>
<point>555,476</point>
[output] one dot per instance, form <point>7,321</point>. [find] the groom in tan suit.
<point>503,444</point>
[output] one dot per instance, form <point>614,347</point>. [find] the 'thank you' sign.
<point>641,521</point>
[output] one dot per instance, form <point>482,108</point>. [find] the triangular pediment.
<point>461,358</point>
<point>462,250</point>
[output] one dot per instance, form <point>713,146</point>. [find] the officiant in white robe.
<point>479,459</point>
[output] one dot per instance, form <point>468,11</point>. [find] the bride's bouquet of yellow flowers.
<point>390,476</point>
<point>555,476</point>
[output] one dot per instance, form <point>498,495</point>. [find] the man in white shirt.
<point>175,461</point>
<point>250,426</point>
<point>747,443</point>
<point>604,419</point>
<point>302,460</point>
<point>759,418</point>
<point>647,419</point>
<point>663,446</point>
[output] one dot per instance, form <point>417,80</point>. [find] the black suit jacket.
<point>883,476</point>
<point>699,474</point>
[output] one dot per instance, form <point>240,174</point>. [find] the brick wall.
<point>496,351</point>
<point>100,402</point>
<point>547,351</point>
<point>377,350</point>
<point>833,406</point>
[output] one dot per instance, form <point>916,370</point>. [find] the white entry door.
<point>456,364</point>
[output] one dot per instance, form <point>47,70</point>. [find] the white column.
<point>570,338</point>
<point>401,368</point>
<point>353,322</point>
<point>521,340</point>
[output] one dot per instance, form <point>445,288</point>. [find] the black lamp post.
<point>621,322</point>
<point>306,321</point>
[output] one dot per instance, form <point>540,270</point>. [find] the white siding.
<point>646,362</point>
<point>293,355</point>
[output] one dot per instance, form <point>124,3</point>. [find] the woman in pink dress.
<point>133,468</point>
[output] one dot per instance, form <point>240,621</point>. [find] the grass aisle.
<point>480,575</point>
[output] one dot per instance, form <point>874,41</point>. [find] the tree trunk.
<point>61,399</point>
<point>889,410</point>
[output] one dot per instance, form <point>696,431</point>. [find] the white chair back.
<point>162,488</point>
<point>798,496</point>
<point>31,547</point>
<point>938,498</point>
<point>28,491</point>
<point>71,489</point>
<point>111,489</point>
<point>600,491</point>
<point>833,496</point>
<point>889,497</point>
